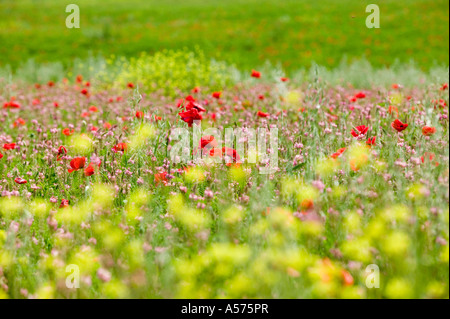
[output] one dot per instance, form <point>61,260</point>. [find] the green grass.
<point>244,32</point>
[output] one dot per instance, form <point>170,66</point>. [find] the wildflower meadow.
<point>174,174</point>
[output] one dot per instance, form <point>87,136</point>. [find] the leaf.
<point>298,166</point>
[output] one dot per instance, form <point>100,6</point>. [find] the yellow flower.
<point>229,253</point>
<point>46,292</point>
<point>115,289</point>
<point>238,174</point>
<point>6,258</point>
<point>86,259</point>
<point>233,215</point>
<point>417,191</point>
<point>193,219</point>
<point>102,196</point>
<point>436,289</point>
<point>444,254</point>
<point>240,286</point>
<point>135,253</point>
<point>326,167</point>
<point>358,156</point>
<point>194,174</point>
<point>397,212</point>
<point>10,207</point>
<point>352,222</point>
<point>143,133</point>
<point>282,218</point>
<point>396,98</point>
<point>399,288</point>
<point>358,249</point>
<point>396,244</point>
<point>307,194</point>
<point>3,294</point>
<point>39,208</point>
<point>375,229</point>
<point>81,144</point>
<point>293,100</point>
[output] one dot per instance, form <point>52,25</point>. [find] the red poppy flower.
<point>161,177</point>
<point>196,89</point>
<point>107,125</point>
<point>338,153</point>
<point>10,146</point>
<point>121,147</point>
<point>262,114</point>
<point>395,86</point>
<point>207,141</point>
<point>64,203</point>
<point>87,83</point>
<point>61,151</point>
<point>180,103</point>
<point>19,180</point>
<point>429,157</point>
<point>399,125</point>
<point>84,91</point>
<point>36,102</point>
<point>68,132</point>
<point>90,169</point>
<point>130,85</point>
<point>440,102</point>
<point>371,141</point>
<point>444,87</point>
<point>94,129</point>
<point>195,105</point>
<point>77,163</point>
<point>93,108</point>
<point>393,109</point>
<point>139,114</point>
<point>360,130</point>
<point>1,155</point>
<point>11,104</point>
<point>228,154</point>
<point>332,117</point>
<point>216,95</point>
<point>256,74</point>
<point>191,115</point>
<point>428,130</point>
<point>284,79</point>
<point>307,204</point>
<point>261,97</point>
<point>50,83</point>
<point>14,105</point>
<point>190,98</point>
<point>360,95</point>
<point>56,104</point>
<point>19,121</point>
<point>79,78</point>
<point>347,278</point>
<point>192,104</point>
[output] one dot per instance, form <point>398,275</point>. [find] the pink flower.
<point>103,274</point>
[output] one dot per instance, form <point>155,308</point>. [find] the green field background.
<point>244,32</point>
